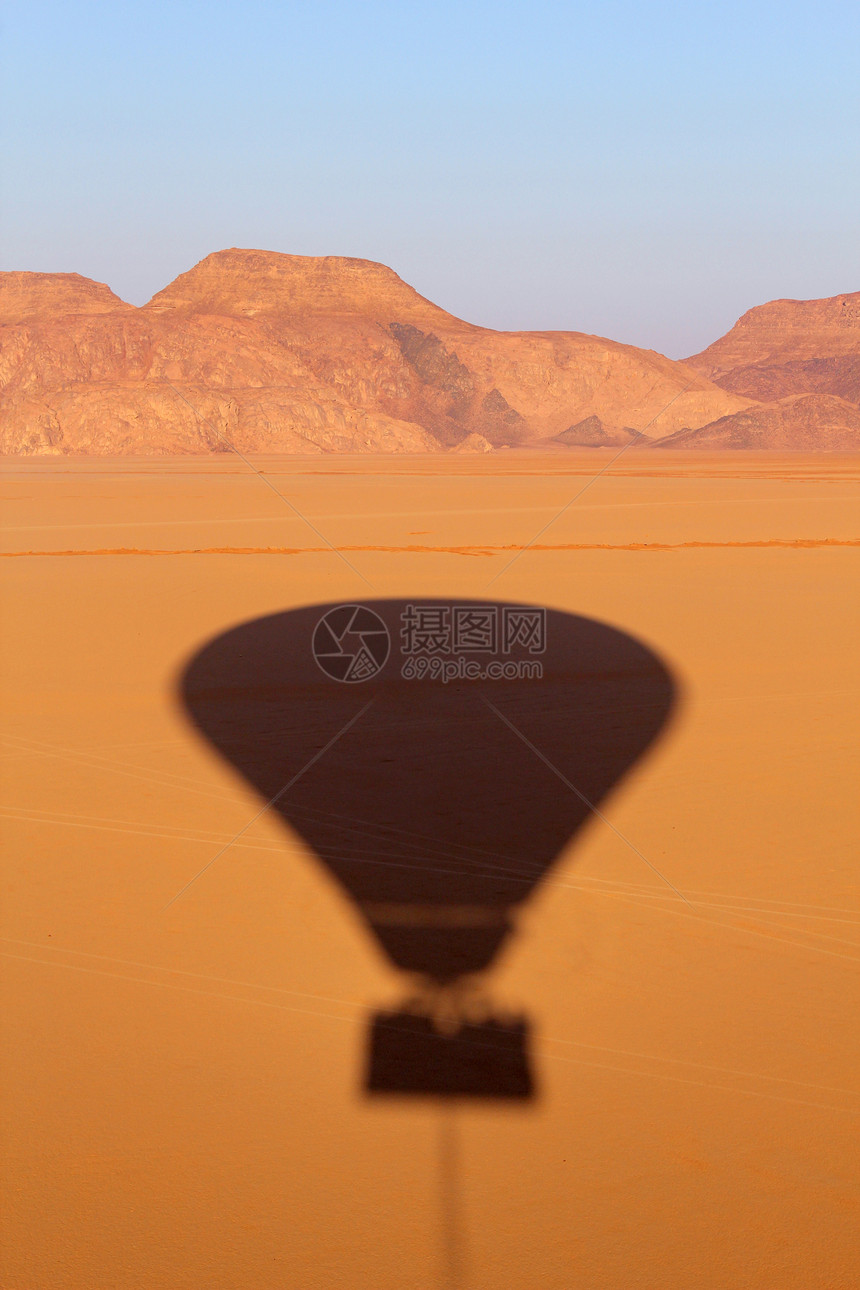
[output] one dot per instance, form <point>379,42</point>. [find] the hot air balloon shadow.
<point>444,804</point>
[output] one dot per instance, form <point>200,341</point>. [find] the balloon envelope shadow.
<point>437,818</point>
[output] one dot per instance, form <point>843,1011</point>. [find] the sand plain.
<point>183,1105</point>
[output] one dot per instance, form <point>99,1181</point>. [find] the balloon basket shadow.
<point>409,1054</point>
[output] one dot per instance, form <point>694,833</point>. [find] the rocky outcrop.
<point>473,443</point>
<point>592,433</point>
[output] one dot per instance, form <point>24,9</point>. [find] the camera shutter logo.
<point>351,644</point>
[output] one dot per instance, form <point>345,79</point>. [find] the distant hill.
<point>789,347</point>
<point>799,423</point>
<point>298,354</point>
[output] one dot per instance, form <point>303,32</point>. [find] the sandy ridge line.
<point>486,550</point>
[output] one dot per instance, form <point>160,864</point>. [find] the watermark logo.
<point>351,643</point>
<point>438,642</point>
<point>472,642</point>
<point>472,629</point>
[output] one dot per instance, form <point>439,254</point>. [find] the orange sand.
<point>183,1108</point>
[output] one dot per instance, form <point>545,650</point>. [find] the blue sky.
<point>645,172</point>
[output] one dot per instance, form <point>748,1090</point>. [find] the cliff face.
<point>280,353</point>
<point>789,347</point>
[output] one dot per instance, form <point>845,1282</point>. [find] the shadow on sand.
<point>438,804</point>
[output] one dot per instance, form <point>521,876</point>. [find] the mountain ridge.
<point>268,352</point>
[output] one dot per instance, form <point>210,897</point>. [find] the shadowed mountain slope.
<point>799,423</point>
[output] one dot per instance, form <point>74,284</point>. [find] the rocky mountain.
<point>282,353</point>
<point>799,423</point>
<point>789,347</point>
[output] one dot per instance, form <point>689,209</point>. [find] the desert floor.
<point>182,1088</point>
